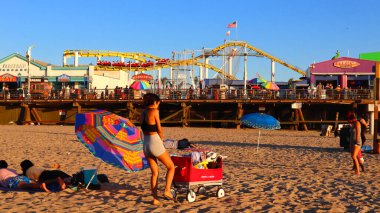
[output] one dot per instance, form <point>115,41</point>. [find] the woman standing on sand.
<point>153,146</point>
<point>355,140</point>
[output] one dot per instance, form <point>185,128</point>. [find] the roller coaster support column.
<point>272,69</point>
<point>200,73</point>
<point>245,74</point>
<point>122,59</point>
<point>159,80</point>
<point>64,61</point>
<point>206,69</point>
<point>376,144</point>
<point>76,58</point>
<point>245,71</point>
<point>230,65</point>
<point>171,73</point>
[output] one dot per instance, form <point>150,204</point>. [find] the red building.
<point>347,72</point>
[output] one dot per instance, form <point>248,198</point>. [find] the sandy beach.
<point>294,171</point>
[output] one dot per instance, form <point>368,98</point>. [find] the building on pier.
<point>14,74</point>
<point>344,71</point>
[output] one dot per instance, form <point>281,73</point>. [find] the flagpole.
<point>236,31</point>
<point>28,57</point>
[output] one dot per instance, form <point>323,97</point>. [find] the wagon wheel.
<point>191,196</point>
<point>220,193</point>
<point>173,192</point>
<point>201,190</point>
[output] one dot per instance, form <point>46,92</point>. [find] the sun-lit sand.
<point>292,172</point>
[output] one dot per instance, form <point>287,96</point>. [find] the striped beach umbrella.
<point>112,138</point>
<point>140,85</point>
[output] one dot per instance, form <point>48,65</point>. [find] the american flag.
<point>232,25</point>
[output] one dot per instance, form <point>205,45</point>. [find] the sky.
<point>299,32</point>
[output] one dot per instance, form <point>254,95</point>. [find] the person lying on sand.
<point>180,144</point>
<point>43,175</point>
<point>10,179</point>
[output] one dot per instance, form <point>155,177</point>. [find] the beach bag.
<point>170,144</point>
<point>183,144</point>
<point>79,180</point>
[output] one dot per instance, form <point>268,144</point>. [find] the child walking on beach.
<point>43,175</point>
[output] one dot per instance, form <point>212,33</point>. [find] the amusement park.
<point>196,79</point>
<point>198,106</point>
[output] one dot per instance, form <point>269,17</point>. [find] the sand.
<point>292,172</point>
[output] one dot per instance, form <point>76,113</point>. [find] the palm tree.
<point>290,82</point>
<point>163,81</point>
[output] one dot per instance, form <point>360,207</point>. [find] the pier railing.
<point>188,94</point>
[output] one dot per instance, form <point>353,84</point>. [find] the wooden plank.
<point>302,119</point>
<point>174,114</point>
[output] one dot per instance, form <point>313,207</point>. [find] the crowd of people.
<point>206,92</point>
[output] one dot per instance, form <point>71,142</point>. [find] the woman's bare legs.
<point>354,156</point>
<point>167,161</point>
<point>153,180</point>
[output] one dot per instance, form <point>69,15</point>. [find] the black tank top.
<point>148,127</point>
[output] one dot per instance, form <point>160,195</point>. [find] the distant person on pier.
<point>106,92</point>
<point>338,89</point>
<point>127,91</point>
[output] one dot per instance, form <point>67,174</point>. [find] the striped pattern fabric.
<point>112,138</point>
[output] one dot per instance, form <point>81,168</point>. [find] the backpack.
<point>183,144</point>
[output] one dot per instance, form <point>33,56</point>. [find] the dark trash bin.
<point>344,137</point>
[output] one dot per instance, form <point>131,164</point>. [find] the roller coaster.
<point>148,62</point>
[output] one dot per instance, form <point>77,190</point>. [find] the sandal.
<point>171,198</point>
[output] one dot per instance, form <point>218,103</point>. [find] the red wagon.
<point>188,177</point>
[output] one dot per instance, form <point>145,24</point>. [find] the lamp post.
<point>19,80</point>
<point>28,57</point>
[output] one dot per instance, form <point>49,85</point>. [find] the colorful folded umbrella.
<point>140,85</point>
<point>268,84</point>
<point>112,138</point>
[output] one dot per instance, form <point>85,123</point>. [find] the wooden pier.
<point>208,113</point>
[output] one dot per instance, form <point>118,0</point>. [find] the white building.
<point>14,74</point>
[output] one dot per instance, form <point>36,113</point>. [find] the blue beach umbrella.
<point>260,121</point>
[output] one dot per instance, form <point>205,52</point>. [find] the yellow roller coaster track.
<point>250,47</point>
<point>178,63</point>
<point>104,53</point>
<point>143,57</point>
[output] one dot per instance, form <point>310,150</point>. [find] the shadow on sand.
<point>271,146</point>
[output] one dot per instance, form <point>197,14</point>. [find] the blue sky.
<point>296,31</point>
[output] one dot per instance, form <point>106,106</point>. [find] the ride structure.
<point>224,60</point>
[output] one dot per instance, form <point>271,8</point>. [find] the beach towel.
<point>51,187</point>
<point>20,190</point>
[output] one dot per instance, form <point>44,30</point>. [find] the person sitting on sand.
<point>10,179</point>
<point>153,146</point>
<point>43,175</point>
